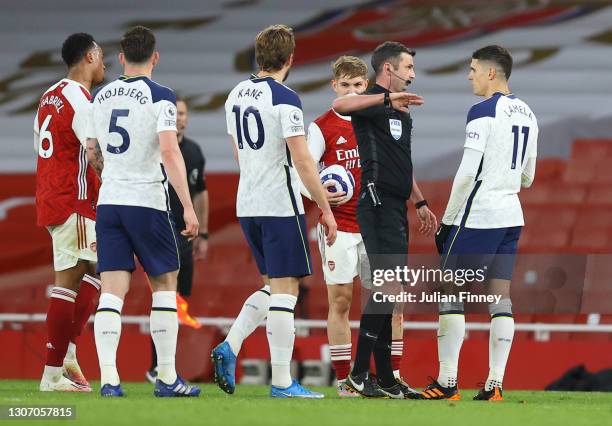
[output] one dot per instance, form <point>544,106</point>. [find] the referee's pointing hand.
<point>402,100</point>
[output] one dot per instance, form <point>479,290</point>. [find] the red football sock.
<point>59,325</point>
<point>85,304</point>
<point>397,350</point>
<point>341,360</point>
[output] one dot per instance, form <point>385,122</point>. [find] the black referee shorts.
<point>384,230</point>
<point>185,275</point>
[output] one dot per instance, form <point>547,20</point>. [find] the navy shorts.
<point>123,231</point>
<point>279,245</point>
<point>491,249</point>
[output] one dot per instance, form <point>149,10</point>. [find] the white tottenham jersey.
<point>505,130</point>
<point>126,117</point>
<point>261,113</point>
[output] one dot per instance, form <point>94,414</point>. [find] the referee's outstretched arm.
<point>399,101</point>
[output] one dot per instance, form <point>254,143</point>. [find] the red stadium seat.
<point>554,193</point>
<point>593,217</point>
<point>594,238</point>
<point>547,217</point>
<point>589,170</point>
<point>550,169</point>
<point>592,148</point>
<point>599,194</point>
<point>533,239</point>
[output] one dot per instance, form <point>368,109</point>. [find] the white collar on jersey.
<point>75,82</point>
<point>344,117</point>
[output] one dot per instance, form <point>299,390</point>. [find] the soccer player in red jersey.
<point>66,197</point>
<point>331,140</point>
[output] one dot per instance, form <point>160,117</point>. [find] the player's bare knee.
<point>499,287</point>
<point>71,278</point>
<point>341,304</point>
<point>165,282</point>
<point>287,285</point>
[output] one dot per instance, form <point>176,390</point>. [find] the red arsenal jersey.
<point>331,141</point>
<point>65,184</point>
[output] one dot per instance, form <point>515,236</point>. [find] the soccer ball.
<point>336,179</point>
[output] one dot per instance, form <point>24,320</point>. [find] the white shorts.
<point>345,259</point>
<point>73,240</point>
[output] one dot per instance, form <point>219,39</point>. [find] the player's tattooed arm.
<point>94,156</point>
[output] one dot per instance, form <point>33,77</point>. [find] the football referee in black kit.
<point>188,250</point>
<point>383,127</point>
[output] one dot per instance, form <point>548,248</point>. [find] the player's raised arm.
<point>175,168</point>
<point>305,166</point>
<point>399,101</point>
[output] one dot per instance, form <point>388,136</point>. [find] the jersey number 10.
<point>516,130</point>
<point>258,143</point>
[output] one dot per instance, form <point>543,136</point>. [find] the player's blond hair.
<point>350,67</point>
<point>273,47</point>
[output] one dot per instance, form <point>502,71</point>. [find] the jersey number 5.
<point>115,128</point>
<point>516,130</point>
<point>245,127</point>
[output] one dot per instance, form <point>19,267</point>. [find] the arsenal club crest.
<point>331,264</point>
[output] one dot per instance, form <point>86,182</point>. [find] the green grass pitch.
<point>251,406</point>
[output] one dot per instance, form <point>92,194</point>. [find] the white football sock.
<point>71,352</point>
<point>500,342</point>
<point>281,335</point>
<point>164,331</point>
<point>253,312</point>
<point>52,374</point>
<point>451,331</point>
<point>107,331</point>
<point>397,350</point>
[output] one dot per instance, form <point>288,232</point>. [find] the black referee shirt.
<point>384,137</point>
<point>194,163</point>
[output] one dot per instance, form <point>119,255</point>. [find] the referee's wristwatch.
<point>387,100</point>
<point>203,235</point>
<point>420,204</point>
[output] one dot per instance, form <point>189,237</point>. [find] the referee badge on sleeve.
<point>395,126</point>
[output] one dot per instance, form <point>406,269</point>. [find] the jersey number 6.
<point>115,128</point>
<point>245,127</point>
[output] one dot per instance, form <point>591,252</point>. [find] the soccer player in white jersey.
<point>483,219</point>
<point>132,140</point>
<point>265,121</point>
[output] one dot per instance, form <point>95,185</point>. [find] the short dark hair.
<point>138,44</point>
<point>389,51</point>
<point>75,48</point>
<point>496,54</point>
